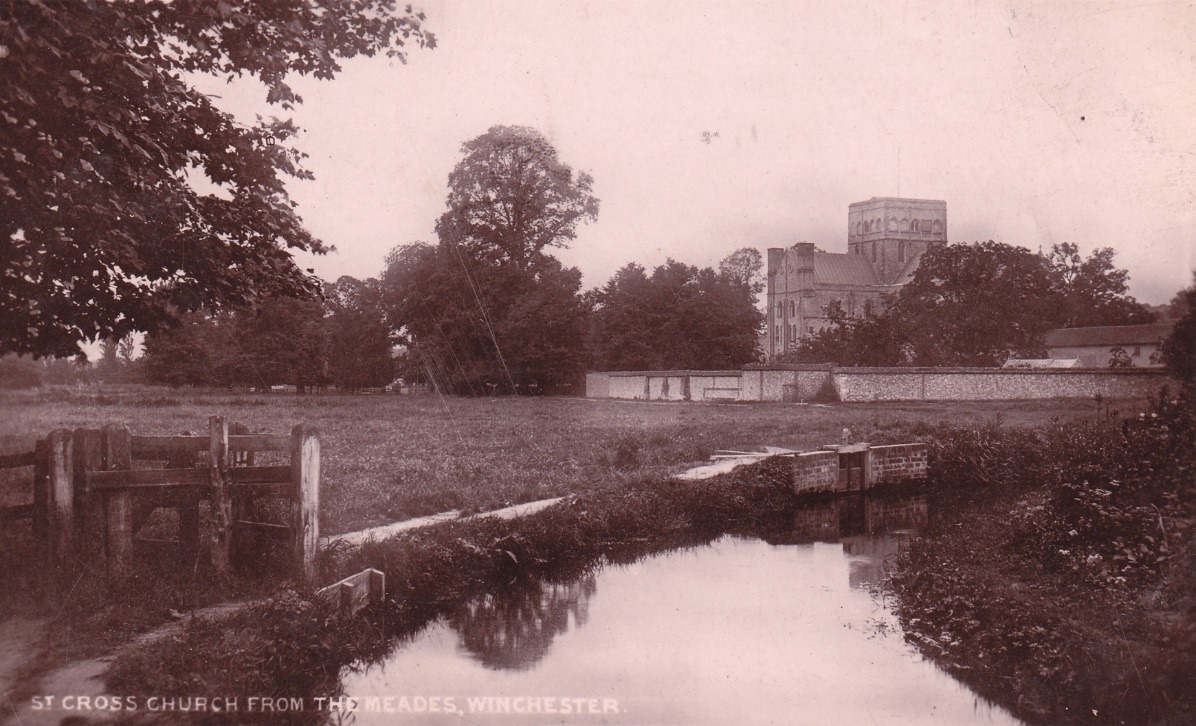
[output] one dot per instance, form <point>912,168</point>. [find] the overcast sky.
<point>1036,122</point>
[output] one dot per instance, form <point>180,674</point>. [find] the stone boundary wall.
<point>993,384</point>
<point>802,383</point>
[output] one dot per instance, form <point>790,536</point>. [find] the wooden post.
<point>240,537</point>
<point>41,501</point>
<point>60,497</point>
<point>89,456</point>
<point>188,514</point>
<point>305,503</point>
<point>222,508</point>
<point>119,503</point>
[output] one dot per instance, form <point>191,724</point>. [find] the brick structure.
<point>896,463</point>
<point>886,237</point>
<point>816,471</point>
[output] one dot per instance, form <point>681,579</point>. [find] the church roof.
<point>911,266</point>
<point>832,268</point>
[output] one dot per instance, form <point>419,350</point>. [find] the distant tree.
<point>280,342</point>
<point>101,233</point>
<point>359,338</point>
<point>19,372</point>
<point>744,265</point>
<point>679,317</point>
<point>1120,358</point>
<point>511,198</point>
<point>1092,291</point>
<point>1179,349</point>
<point>869,340</point>
<point>977,305</point>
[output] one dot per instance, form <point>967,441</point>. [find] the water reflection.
<point>740,631</point>
<point>514,629</point>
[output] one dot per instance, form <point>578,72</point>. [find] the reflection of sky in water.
<point>738,632</point>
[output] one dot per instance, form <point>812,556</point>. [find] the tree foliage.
<point>511,198</point>
<point>101,233</point>
<point>1092,291</point>
<point>1179,349</point>
<point>344,342</point>
<point>978,305</point>
<point>678,317</point>
<point>487,310</point>
<point>359,340</point>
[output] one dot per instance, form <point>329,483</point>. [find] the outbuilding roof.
<point>1107,335</point>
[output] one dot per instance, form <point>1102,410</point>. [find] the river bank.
<point>1061,581</point>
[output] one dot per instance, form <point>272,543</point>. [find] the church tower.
<point>892,233</point>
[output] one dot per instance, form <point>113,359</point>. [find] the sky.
<point>710,126</point>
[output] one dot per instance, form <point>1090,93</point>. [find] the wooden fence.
<point>85,480</point>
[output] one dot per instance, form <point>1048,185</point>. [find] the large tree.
<point>488,309</point>
<point>977,305</point>
<point>101,231</point>
<point>511,198</point>
<point>1092,290</point>
<point>678,317</point>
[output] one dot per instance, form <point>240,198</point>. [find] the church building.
<point>886,237</point>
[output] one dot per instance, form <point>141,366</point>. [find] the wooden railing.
<point>85,480</point>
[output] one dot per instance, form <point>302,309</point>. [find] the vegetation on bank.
<point>1060,581</point>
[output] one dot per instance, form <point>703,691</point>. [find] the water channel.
<point>790,630</point>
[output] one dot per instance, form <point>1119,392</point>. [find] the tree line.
<point>484,310</point>
<point>979,305</point>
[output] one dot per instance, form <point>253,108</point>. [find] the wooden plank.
<point>61,496</point>
<point>161,447</point>
<point>355,592</point>
<point>222,505</point>
<point>19,511</point>
<point>118,456</point>
<point>259,442</point>
<point>12,461</point>
<point>147,478</point>
<point>259,475</point>
<point>305,505</point>
<point>188,510</point>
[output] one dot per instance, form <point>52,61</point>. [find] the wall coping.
<point>1147,372</point>
<point>728,374</point>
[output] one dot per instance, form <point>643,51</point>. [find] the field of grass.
<point>388,458</point>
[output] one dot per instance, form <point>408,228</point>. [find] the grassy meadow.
<point>387,458</point>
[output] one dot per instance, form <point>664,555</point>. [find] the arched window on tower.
<point>913,226</point>
<point>901,252</point>
<point>867,308</point>
<point>874,252</point>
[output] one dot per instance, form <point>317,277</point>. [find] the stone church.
<point>886,237</point>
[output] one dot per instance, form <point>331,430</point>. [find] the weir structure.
<point>857,467</point>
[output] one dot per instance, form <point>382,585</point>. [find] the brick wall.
<point>816,471</point>
<point>896,463</point>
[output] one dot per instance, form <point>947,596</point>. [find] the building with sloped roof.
<point>886,237</point>
<point>1094,346</point>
